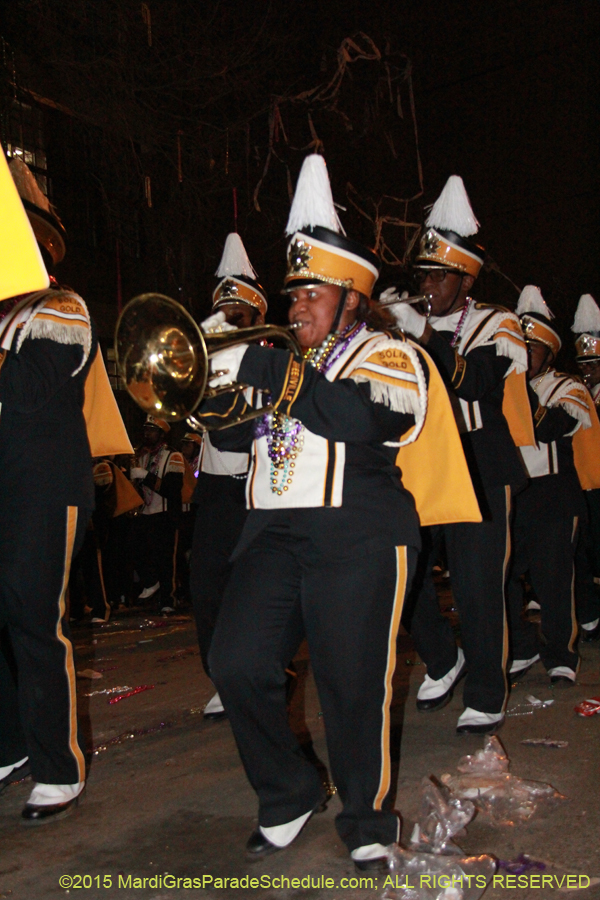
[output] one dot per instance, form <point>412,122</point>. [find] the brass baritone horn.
<point>164,358</point>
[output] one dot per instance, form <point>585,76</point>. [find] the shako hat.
<point>158,423</point>
<point>47,227</point>
<point>445,242</point>
<point>535,318</point>
<point>587,326</point>
<point>192,436</point>
<point>319,251</point>
<point>238,282</point>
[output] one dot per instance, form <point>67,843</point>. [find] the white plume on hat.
<point>313,201</point>
<point>235,259</point>
<point>452,210</point>
<point>587,316</point>
<point>531,301</point>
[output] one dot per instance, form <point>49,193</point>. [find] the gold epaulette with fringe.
<point>495,306</point>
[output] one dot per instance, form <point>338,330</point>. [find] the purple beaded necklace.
<point>461,322</point>
<point>285,435</point>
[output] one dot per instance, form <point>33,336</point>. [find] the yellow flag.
<point>22,268</point>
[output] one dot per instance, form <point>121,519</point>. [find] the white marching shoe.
<point>436,694</point>
<point>472,721</point>
<point>370,858</point>
<point>149,591</point>
<point>520,666</point>
<point>51,802</point>
<point>214,709</point>
<point>265,841</point>
<point>14,772</point>
<point>562,674</point>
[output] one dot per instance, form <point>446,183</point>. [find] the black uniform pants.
<point>544,542</point>
<point>87,580</point>
<point>117,558</point>
<point>219,522</point>
<point>155,553</point>
<point>478,555</point>
<point>351,613</point>
<point>38,703</point>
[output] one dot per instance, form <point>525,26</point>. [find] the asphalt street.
<point>167,794</point>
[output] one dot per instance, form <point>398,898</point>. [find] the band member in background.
<point>481,353</point>
<point>191,443</point>
<point>87,569</point>
<point>52,383</point>
<point>159,477</point>
<point>587,560</point>
<point>331,539</point>
<point>548,511</point>
<point>220,491</point>
<point>115,497</point>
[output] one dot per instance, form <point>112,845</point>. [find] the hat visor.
<point>296,283</point>
<point>431,264</point>
<point>235,301</point>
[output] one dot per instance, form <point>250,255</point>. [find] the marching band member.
<point>56,406</point>
<point>115,496</point>
<point>548,511</point>
<point>331,538</point>
<point>220,490</point>
<point>159,476</point>
<point>481,354</point>
<point>587,561</point>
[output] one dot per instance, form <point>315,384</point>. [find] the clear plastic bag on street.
<point>504,798</point>
<point>434,867</point>
<point>492,760</point>
<point>442,818</point>
<point>431,876</point>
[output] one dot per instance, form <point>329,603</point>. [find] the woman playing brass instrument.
<point>331,533</point>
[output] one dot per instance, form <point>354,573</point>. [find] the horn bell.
<point>161,355</point>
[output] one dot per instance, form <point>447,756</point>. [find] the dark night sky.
<point>505,96</point>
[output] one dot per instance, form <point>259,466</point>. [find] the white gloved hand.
<point>216,324</point>
<point>390,294</point>
<point>228,362</point>
<point>137,473</point>
<point>408,319</point>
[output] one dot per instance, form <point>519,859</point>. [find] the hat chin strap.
<point>340,309</point>
<point>458,290</point>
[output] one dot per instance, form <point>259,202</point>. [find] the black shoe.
<point>561,679</point>
<point>16,775</point>
<point>433,703</point>
<point>593,635</point>
<point>436,702</point>
<point>43,815</point>
<point>258,846</point>
<point>468,722</point>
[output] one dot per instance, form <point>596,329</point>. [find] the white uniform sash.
<point>484,326</point>
<point>318,472</point>
<point>555,389</point>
